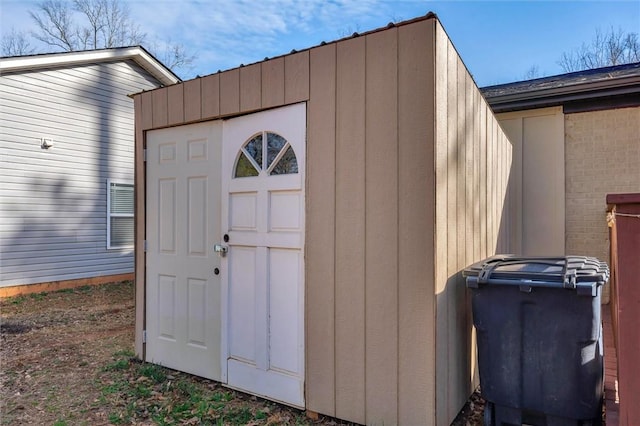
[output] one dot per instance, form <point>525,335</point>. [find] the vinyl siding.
<point>53,202</point>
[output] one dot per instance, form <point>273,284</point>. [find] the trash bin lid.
<point>572,272</point>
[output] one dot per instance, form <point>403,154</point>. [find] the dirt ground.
<point>66,358</point>
<point>53,345</point>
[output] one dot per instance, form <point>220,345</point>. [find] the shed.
<point>306,219</point>
<point>66,145</point>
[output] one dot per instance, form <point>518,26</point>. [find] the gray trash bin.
<point>539,338</point>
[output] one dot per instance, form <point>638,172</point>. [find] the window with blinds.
<point>119,215</point>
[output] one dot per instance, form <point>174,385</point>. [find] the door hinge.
<point>144,155</point>
<point>144,336</point>
<point>144,246</point>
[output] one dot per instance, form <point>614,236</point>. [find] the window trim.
<point>110,215</point>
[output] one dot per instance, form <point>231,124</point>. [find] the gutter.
<point>559,95</point>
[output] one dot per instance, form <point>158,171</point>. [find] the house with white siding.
<point>67,164</point>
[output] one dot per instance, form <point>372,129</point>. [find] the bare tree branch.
<point>173,55</point>
<point>119,29</point>
<point>606,49</point>
<point>632,51</point>
<point>55,23</point>
<point>532,72</point>
<point>176,56</point>
<point>94,11</point>
<point>97,24</point>
<point>15,44</point>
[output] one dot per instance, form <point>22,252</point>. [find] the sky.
<point>499,41</point>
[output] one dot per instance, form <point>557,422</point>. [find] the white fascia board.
<point>144,59</point>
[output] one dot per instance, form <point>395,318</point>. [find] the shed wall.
<point>53,210</point>
<point>416,330</point>
<point>375,363</point>
<point>537,184</point>
<point>472,165</point>
<point>372,192</point>
<point>369,245</point>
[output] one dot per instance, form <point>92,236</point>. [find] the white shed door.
<point>183,223</point>
<point>263,271</point>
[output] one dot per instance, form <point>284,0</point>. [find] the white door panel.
<point>243,211</point>
<point>284,295</point>
<point>263,278</point>
<point>242,300</point>
<point>183,223</point>
<point>285,211</point>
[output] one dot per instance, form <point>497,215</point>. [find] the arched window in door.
<point>266,154</point>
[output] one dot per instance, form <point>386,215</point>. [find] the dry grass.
<point>67,359</point>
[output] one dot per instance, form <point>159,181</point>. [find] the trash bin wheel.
<point>596,421</point>
<point>488,414</point>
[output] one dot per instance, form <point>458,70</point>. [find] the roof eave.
<point>136,53</point>
<point>539,98</point>
<point>157,69</point>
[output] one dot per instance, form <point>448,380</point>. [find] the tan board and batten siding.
<point>537,192</point>
<point>472,162</point>
<point>406,182</point>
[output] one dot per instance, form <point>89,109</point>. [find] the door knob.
<point>221,249</point>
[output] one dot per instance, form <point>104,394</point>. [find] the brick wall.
<point>602,154</point>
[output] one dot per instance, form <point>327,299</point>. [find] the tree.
<point>98,24</point>
<point>532,72</point>
<point>606,49</point>
<point>55,25</point>
<point>173,55</point>
<point>15,44</point>
<point>85,24</point>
